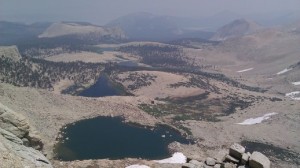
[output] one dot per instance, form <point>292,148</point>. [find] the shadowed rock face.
<point>15,138</point>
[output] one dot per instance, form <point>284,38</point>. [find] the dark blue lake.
<point>103,87</point>
<point>107,137</point>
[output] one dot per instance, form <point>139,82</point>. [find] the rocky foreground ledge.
<point>236,158</point>
<point>19,144</point>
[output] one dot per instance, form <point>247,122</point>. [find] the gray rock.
<point>217,166</point>
<point>13,122</point>
<point>220,156</point>
<point>245,159</point>
<point>236,151</point>
<point>195,162</point>
<point>35,140</point>
<point>206,166</point>
<point>243,166</point>
<point>25,142</point>
<point>259,160</point>
<point>228,165</point>
<point>18,155</point>
<point>11,137</point>
<point>188,165</point>
<point>229,158</point>
<point>210,161</point>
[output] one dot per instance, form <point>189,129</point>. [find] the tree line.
<point>44,74</point>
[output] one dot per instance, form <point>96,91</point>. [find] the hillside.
<point>10,52</point>
<point>262,58</point>
<point>236,28</point>
<point>69,28</point>
<point>27,72</point>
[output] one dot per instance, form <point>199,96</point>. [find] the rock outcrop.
<point>236,158</point>
<point>237,151</point>
<point>18,142</point>
<point>258,160</point>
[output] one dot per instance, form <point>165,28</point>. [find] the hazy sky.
<point>102,11</point>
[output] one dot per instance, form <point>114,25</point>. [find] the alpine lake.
<point>111,137</point>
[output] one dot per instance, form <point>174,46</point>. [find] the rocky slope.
<point>19,143</point>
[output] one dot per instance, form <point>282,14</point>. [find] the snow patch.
<point>296,83</point>
<point>294,95</point>
<point>252,121</point>
<point>137,166</point>
<point>245,70</point>
<point>284,71</point>
<point>177,157</point>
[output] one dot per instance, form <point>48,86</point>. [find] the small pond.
<point>103,87</point>
<point>108,137</point>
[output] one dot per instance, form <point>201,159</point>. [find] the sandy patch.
<point>61,85</point>
<point>161,86</point>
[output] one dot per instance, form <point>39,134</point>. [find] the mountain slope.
<point>236,28</point>
<point>146,26</point>
<point>68,28</point>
